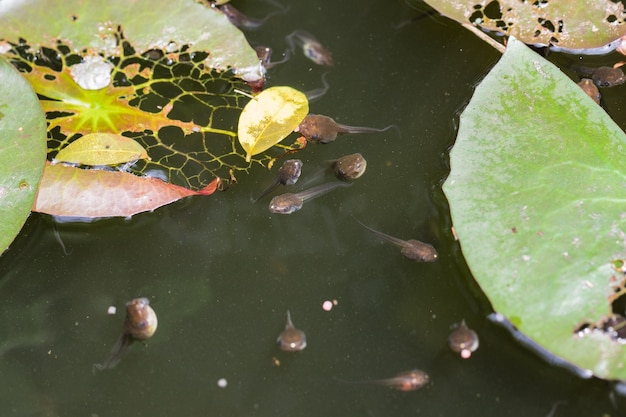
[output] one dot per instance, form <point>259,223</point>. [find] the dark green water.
<point>221,272</point>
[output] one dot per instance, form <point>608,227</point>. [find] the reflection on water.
<point>222,271</point>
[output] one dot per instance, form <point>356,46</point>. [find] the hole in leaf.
<point>560,25</point>
<point>153,54</point>
<point>546,24</point>
<point>183,113</point>
<point>476,18</point>
<point>613,325</point>
<point>493,10</point>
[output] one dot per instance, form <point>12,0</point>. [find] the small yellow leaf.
<point>101,149</point>
<point>269,118</point>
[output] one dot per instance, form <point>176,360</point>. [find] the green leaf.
<point>576,24</point>
<point>269,117</point>
<point>94,26</point>
<point>537,196</point>
<point>22,151</point>
<point>101,149</point>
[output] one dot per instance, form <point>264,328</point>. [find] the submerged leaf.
<point>102,149</point>
<point>22,151</point>
<point>270,117</point>
<point>80,193</point>
<point>536,193</point>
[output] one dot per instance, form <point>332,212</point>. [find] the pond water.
<point>222,272</point>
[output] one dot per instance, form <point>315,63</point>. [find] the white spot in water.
<point>466,353</point>
<point>327,305</point>
<point>93,73</point>
<point>222,383</point>
<point>111,310</point>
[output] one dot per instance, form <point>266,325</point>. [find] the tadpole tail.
<point>364,382</point>
<point>344,129</point>
<point>317,93</point>
<point>268,190</point>
<point>345,381</point>
<point>383,236</point>
<point>115,356</point>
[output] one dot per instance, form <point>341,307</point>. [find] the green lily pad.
<point>22,151</point>
<point>159,24</point>
<point>536,193</point>
<point>577,24</point>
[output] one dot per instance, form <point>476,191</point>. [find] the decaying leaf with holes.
<point>166,81</point>
<point>572,25</point>
<point>102,149</point>
<point>269,118</point>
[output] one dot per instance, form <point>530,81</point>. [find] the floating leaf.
<point>102,149</point>
<point>22,151</point>
<point>269,118</point>
<point>83,25</point>
<point>163,92</point>
<point>572,24</point>
<point>536,192</point>
<point>80,193</point>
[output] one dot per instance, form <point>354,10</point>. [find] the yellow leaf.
<point>101,149</point>
<point>269,118</point>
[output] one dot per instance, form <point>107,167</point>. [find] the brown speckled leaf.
<point>577,24</point>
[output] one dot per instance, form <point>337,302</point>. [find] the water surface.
<point>221,272</point>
